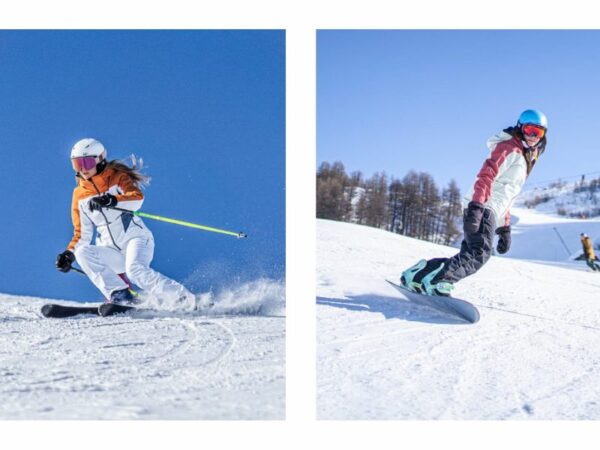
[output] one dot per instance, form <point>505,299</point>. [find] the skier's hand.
<point>65,260</point>
<point>102,201</point>
<point>504,241</point>
<point>472,219</point>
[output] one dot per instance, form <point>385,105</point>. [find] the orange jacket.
<point>588,248</point>
<point>113,227</point>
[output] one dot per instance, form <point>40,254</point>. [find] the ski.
<point>53,310</point>
<point>451,305</point>
<point>108,309</point>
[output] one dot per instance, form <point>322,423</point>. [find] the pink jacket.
<point>502,176</point>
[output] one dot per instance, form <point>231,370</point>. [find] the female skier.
<point>514,152</point>
<point>123,243</point>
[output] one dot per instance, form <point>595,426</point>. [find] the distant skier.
<point>514,152</point>
<point>588,252</point>
<point>123,242</point>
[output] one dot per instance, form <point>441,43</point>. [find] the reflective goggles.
<point>533,130</point>
<point>84,163</point>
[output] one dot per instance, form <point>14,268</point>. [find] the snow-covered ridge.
<point>579,199</point>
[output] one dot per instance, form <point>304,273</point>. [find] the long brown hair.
<point>139,179</point>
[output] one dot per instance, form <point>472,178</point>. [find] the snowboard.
<point>451,305</point>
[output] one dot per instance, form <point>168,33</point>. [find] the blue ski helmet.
<point>534,117</point>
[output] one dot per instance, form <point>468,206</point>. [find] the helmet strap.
<point>101,166</point>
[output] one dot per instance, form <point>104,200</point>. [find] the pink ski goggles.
<point>84,163</point>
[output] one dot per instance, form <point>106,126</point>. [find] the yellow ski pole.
<point>239,234</point>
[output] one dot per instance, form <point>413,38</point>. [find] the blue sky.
<point>205,110</point>
<point>427,100</point>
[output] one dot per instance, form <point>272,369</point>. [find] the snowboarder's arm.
<point>501,158</point>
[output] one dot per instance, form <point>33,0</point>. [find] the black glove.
<point>472,219</point>
<point>65,260</point>
<point>504,241</point>
<point>105,200</point>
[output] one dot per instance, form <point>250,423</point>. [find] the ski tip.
<point>474,318</point>
<point>47,310</point>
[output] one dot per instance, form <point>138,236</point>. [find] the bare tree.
<point>412,206</point>
<point>451,212</point>
<point>394,204</point>
<point>331,184</point>
<point>375,200</point>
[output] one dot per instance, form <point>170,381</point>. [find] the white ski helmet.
<point>88,147</point>
<point>87,154</point>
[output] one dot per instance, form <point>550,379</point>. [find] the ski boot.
<point>407,277</point>
<point>439,288</point>
<point>123,297</point>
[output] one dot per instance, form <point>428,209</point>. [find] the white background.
<point>300,19</point>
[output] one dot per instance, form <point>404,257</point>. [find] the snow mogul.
<point>513,153</point>
<point>124,245</point>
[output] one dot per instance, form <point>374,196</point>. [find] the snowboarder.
<point>123,242</point>
<point>513,153</point>
<point>588,252</point>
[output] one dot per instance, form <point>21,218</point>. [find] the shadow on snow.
<point>391,308</point>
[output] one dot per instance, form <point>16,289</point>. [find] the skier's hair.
<point>139,179</point>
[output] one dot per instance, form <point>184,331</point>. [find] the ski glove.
<point>105,200</point>
<point>504,241</point>
<point>472,219</point>
<point>65,260</point>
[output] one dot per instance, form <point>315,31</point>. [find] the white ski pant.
<point>104,264</point>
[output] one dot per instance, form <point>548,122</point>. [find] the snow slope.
<point>537,236</point>
<point>147,365</point>
<point>533,355</point>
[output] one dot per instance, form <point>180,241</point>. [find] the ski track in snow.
<point>142,365</point>
<point>533,355</point>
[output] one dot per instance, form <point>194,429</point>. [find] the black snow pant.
<point>475,251</point>
<point>592,265</point>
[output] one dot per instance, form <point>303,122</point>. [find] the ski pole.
<point>563,242</point>
<point>78,270</point>
<point>239,234</point>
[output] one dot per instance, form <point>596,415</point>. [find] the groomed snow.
<point>533,355</point>
<point>537,236</point>
<point>146,365</point>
